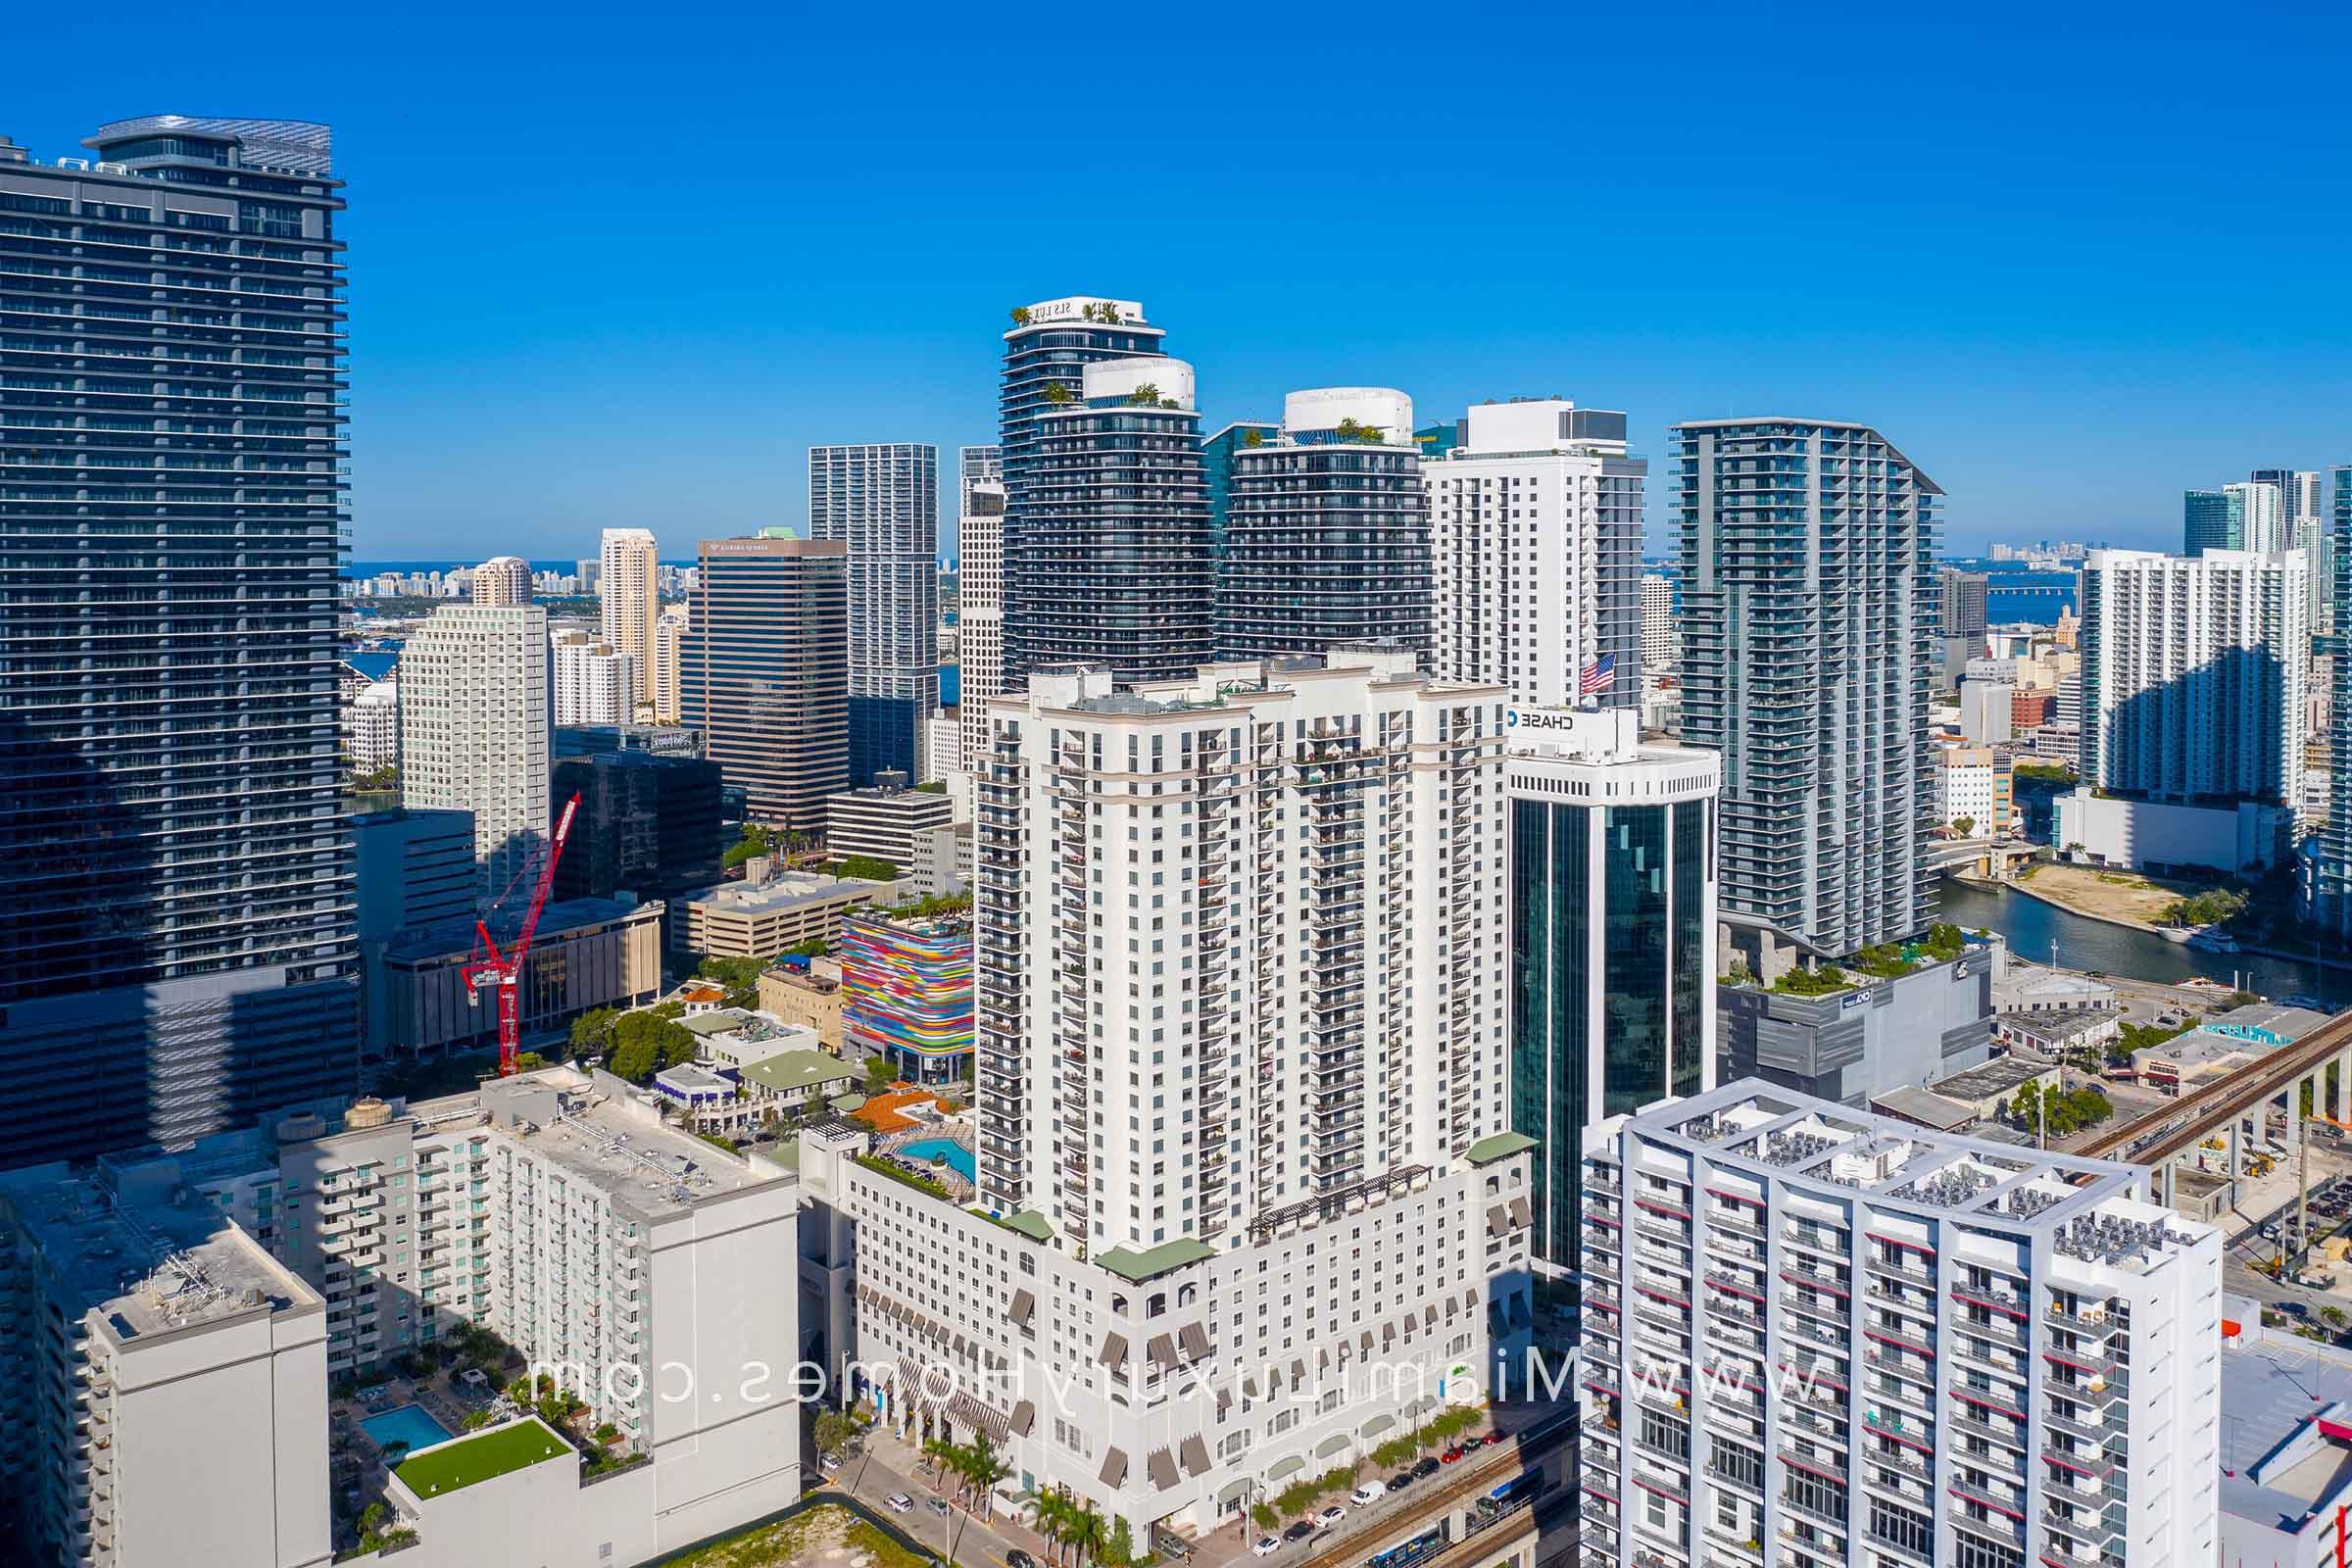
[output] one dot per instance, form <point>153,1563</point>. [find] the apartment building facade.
<point>1535,523</point>
<point>618,1256</point>
<point>1818,1337</point>
<point>474,729</point>
<point>1809,605</point>
<point>1325,540</point>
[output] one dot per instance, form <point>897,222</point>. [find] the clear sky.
<point>624,266</point>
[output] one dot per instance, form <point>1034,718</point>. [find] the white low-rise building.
<point>1972,786</point>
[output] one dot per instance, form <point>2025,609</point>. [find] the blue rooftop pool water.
<point>409,1425</point>
<point>959,1158</point>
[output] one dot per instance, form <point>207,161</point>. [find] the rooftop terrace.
<point>2094,1209</point>
<point>150,1268</point>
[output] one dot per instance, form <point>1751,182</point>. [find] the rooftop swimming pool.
<point>959,1158</point>
<point>410,1426</point>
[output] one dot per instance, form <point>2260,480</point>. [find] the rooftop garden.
<point>1886,960</point>
<point>485,1456</point>
<point>886,1166</point>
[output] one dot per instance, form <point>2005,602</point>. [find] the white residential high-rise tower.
<point>1245,1201</point>
<point>629,583</point>
<point>1535,523</point>
<point>594,682</point>
<point>473,728</point>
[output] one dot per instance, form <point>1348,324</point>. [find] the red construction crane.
<point>488,966</point>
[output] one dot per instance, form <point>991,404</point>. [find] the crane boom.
<point>504,970</point>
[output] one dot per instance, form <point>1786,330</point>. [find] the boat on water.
<point>2211,940</point>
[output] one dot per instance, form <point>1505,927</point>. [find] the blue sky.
<point>2072,259</point>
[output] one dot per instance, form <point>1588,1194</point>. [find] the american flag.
<point>1599,675</point>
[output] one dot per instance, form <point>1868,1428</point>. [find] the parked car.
<point>938,1506</point>
<point>1264,1547</point>
<point>1017,1559</point>
<point>900,1502</point>
<point>1401,1480</point>
<point>1449,1455</point>
<point>828,1466</point>
<point>1299,1532</point>
<point>1330,1516</point>
<point>1425,1469</point>
<point>2291,1309</point>
<point>1369,1493</point>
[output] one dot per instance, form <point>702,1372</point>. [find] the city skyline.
<point>2028,293</point>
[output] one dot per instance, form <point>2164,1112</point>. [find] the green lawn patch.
<point>484,1456</point>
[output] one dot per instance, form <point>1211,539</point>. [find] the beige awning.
<point>971,1412</point>
<point>1224,1402</point>
<point>1162,1352</point>
<point>960,1346</point>
<point>1250,1387</point>
<point>1497,1220</point>
<point>1429,1318</point>
<point>1330,1445</point>
<point>1114,1468</point>
<point>1195,1454</point>
<point>1286,1467</point>
<point>1377,1425</point>
<point>1115,1351</point>
<point>1024,1416</point>
<point>1023,1303</point>
<point>1195,1342</point>
<point>1365,1343</point>
<point>1520,1212</point>
<point>1298,1372</point>
<point>1162,1468</point>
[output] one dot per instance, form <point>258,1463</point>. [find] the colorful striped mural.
<point>908,993</point>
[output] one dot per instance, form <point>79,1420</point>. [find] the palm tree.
<point>1086,1533</point>
<point>984,1469</point>
<point>1053,1514</point>
<point>942,1455</point>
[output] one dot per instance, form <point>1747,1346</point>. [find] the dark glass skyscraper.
<point>761,672</point>
<point>177,942</point>
<point>1045,354</point>
<point>1114,540</point>
<point>1612,917</point>
<point>1326,541</point>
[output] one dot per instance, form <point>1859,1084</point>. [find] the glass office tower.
<point>760,673</point>
<point>883,502</point>
<point>1612,917</point>
<point>177,940</point>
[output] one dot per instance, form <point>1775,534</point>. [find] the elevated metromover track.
<point>2163,1135</point>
